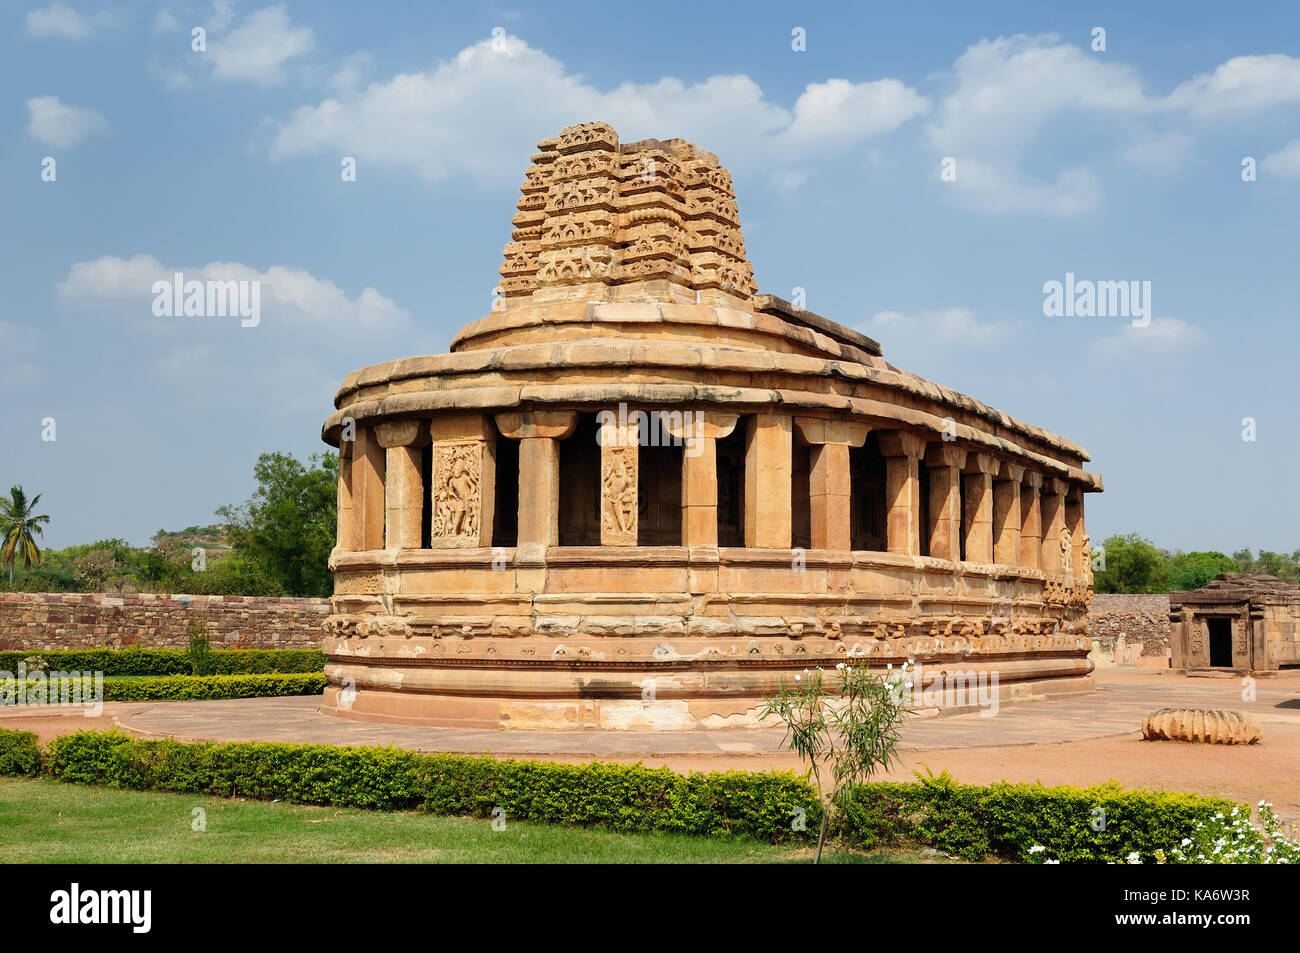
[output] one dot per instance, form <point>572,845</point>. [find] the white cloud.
<point>290,298</point>
<point>999,187</point>
<point>1285,163</point>
<point>59,124</point>
<point>838,113</point>
<point>223,14</point>
<point>58,20</point>
<point>347,78</point>
<point>257,49</point>
<point>310,334</point>
<point>1007,87</point>
<point>170,78</point>
<point>165,22</point>
<point>1241,85</point>
<point>1006,90</point>
<point>1161,336</point>
<point>434,122</point>
<point>1158,152</point>
<point>947,328</point>
<point>1009,92</point>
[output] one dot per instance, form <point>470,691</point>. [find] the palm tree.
<point>20,526</point>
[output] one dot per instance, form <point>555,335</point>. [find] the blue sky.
<point>1122,164</point>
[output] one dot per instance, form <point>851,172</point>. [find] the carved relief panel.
<point>619,479</point>
<point>457,492</point>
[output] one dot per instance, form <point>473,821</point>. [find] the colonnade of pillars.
<point>977,505</point>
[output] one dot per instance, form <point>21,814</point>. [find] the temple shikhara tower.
<point>638,494</point>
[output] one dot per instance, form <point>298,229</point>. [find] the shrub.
<point>20,753</point>
<point>200,650</point>
<point>137,661</point>
<point>1232,839</point>
<point>200,687</point>
<point>1099,824</point>
<point>1014,821</point>
<point>854,727</point>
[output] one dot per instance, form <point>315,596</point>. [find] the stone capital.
<point>1012,472</point>
<point>1034,479</point>
<point>556,424</point>
<point>982,463</point>
<point>945,455</point>
<point>900,443</point>
<point>1057,487</point>
<point>400,433</point>
<point>461,427</point>
<point>703,424</point>
<point>824,430</point>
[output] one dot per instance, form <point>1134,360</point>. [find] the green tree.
<point>20,525</point>
<point>1276,564</point>
<point>1133,564</point>
<point>284,533</point>
<point>1193,570</point>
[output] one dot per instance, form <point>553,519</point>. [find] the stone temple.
<point>1236,622</point>
<point>638,494</point>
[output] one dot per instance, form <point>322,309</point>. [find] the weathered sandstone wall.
<point>1134,627</point>
<point>83,620</point>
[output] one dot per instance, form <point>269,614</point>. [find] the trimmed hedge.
<point>137,661</point>
<point>1008,819</point>
<point>629,798</point>
<point>20,753</point>
<point>150,688</point>
<point>967,820</point>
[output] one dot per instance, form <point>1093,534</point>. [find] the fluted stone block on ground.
<point>1212,726</point>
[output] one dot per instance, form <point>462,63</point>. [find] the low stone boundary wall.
<point>1136,627</point>
<point>1130,629</point>
<point>78,620</point>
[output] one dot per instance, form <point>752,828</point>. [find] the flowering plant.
<point>852,726</point>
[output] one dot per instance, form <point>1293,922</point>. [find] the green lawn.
<point>53,822</point>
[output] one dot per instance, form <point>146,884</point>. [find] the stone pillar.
<point>945,461</point>
<point>1031,520</point>
<point>769,448</point>
<point>403,482</point>
<point>700,433</point>
<point>1080,552</point>
<point>977,526</point>
<point>903,452</point>
<point>829,485</point>
<point>463,494</point>
<point>345,516</point>
<point>368,462</point>
<point>1053,524</point>
<point>1006,515</point>
<point>539,434</point>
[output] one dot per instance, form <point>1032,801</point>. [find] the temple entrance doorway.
<point>1220,638</point>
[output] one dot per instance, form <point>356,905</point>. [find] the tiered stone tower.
<point>649,221</point>
<point>637,495</point>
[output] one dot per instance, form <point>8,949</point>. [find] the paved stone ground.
<point>1079,739</point>
<point>1116,708</point>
